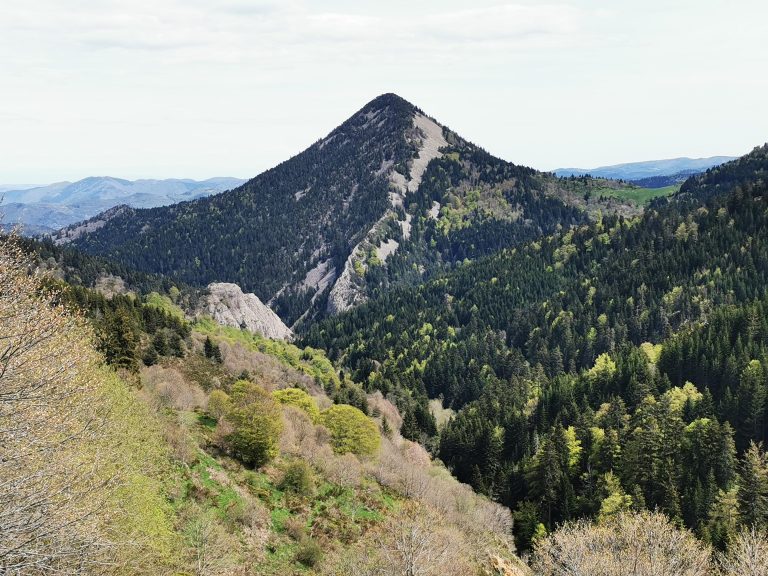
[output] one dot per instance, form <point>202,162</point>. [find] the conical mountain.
<point>387,196</point>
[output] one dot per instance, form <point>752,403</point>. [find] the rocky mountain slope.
<point>58,205</point>
<point>388,197</point>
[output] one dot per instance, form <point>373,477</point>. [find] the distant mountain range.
<point>678,169</point>
<point>48,208</point>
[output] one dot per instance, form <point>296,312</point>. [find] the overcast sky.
<point>200,88</point>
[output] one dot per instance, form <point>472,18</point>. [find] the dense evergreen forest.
<point>77,268</point>
<point>619,364</point>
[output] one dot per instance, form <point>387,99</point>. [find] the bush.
<point>747,554</point>
<point>298,478</point>
<point>256,421</point>
<point>218,404</point>
<point>654,545</point>
<point>351,430</point>
<point>309,553</point>
<point>295,528</point>
<point>300,399</point>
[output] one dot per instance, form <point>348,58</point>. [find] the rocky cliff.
<point>227,304</point>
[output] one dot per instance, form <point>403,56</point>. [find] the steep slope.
<point>83,463</point>
<point>388,197</point>
<point>696,251</point>
<point>105,478</point>
<point>58,205</point>
<point>743,173</point>
<point>588,328</point>
<point>274,231</point>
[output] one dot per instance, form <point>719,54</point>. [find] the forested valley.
<point>540,376</point>
<point>616,365</point>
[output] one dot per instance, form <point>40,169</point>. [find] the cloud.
<point>237,29</point>
<point>508,22</point>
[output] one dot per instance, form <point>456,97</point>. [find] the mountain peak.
<point>395,106</point>
<point>389,99</point>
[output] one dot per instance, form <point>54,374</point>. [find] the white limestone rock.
<point>227,304</point>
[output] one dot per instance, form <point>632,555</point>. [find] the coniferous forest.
<point>534,376</point>
<point>618,365</point>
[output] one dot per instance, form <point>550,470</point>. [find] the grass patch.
<point>261,487</point>
<point>279,517</point>
<point>165,304</point>
<point>637,195</point>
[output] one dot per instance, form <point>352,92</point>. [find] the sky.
<point>202,88</point>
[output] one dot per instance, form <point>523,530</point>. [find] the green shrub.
<point>218,404</point>
<point>309,553</point>
<point>298,478</point>
<point>257,422</point>
<point>300,399</point>
<point>351,430</point>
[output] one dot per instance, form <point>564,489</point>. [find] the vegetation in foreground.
<point>236,462</point>
<point>231,463</point>
<point>583,397</point>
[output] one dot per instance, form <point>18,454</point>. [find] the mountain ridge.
<point>60,204</point>
<point>647,168</point>
<point>388,196</point>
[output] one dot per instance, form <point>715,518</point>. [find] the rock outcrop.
<point>349,291</point>
<point>227,304</point>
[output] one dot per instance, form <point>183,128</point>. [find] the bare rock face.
<point>75,231</point>
<point>349,291</point>
<point>228,305</point>
<point>345,292</point>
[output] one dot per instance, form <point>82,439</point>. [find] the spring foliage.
<point>256,421</point>
<point>351,430</point>
<point>81,460</point>
<point>300,399</point>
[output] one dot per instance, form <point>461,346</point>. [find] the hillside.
<point>328,492</point>
<point>388,197</point>
<point>544,376</point>
<point>218,452</point>
<point>586,335</point>
<point>48,208</point>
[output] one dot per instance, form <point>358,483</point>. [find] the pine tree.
<point>119,340</point>
<point>212,350</point>
<point>160,344</point>
<point>751,399</point>
<point>753,487</point>
<point>725,462</point>
<point>150,356</point>
<point>724,518</point>
<point>208,347</point>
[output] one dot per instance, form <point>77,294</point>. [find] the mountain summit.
<point>293,225</point>
<point>386,197</point>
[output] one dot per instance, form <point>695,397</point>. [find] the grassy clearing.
<point>637,195</point>
<point>165,304</point>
